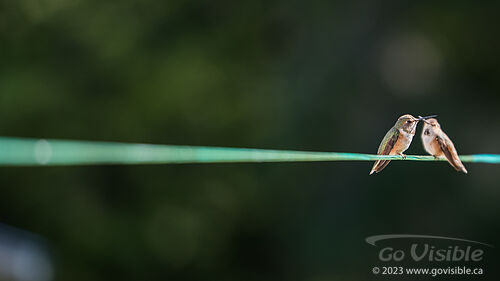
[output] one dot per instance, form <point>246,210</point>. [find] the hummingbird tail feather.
<point>383,165</point>
<point>379,166</point>
<point>460,167</point>
<point>457,164</point>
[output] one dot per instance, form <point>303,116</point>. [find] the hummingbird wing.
<point>385,148</point>
<point>450,152</point>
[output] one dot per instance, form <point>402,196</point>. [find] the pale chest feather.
<point>431,145</point>
<point>434,148</point>
<point>403,142</point>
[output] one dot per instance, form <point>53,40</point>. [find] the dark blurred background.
<point>301,75</point>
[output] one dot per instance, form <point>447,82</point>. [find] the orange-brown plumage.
<point>437,143</point>
<point>396,140</point>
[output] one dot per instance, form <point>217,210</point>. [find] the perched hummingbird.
<point>397,140</point>
<point>437,143</point>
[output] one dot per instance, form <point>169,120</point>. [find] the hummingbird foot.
<point>402,156</point>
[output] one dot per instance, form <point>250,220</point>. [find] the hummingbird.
<point>437,143</point>
<point>397,140</point>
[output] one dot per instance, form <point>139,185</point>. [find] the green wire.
<point>29,152</point>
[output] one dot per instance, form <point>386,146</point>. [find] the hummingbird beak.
<point>426,117</point>
<point>420,118</point>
